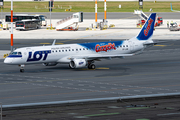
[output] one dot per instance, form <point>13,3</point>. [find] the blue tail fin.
<point>147,30</point>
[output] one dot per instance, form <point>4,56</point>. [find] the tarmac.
<point>141,75</point>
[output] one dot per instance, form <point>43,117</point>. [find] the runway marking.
<point>139,87</point>
<point>45,43</point>
<point>168,114</point>
<point>137,108</point>
<point>161,45</point>
<point>59,43</point>
<point>103,114</point>
<point>102,68</point>
<point>107,91</point>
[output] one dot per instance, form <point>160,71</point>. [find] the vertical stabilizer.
<point>147,30</point>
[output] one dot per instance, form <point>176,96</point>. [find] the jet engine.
<point>77,63</point>
<point>50,64</point>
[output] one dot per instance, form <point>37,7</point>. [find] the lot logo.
<point>146,31</point>
<point>110,46</point>
<point>38,55</point>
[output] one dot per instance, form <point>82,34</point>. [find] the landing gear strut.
<point>22,68</point>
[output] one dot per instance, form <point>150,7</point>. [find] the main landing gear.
<point>91,65</point>
<point>22,68</point>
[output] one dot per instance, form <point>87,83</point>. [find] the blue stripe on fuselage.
<point>15,56</point>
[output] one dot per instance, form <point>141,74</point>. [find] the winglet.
<point>148,28</point>
<point>54,42</point>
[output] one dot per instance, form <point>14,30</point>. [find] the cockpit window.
<point>16,53</point>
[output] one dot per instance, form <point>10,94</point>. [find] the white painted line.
<point>168,114</point>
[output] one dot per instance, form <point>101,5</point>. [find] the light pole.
<point>11,25</point>
<point>96,13</point>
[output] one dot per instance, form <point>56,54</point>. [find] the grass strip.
<point>42,6</point>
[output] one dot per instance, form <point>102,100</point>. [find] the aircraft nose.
<point>8,60</point>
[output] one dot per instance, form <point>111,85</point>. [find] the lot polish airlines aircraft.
<point>84,54</point>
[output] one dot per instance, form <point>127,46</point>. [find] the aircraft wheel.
<point>91,66</point>
<point>22,70</point>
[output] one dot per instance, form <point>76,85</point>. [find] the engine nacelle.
<point>50,64</point>
<point>77,63</point>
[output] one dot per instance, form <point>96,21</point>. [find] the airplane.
<point>84,54</point>
<point>173,10</point>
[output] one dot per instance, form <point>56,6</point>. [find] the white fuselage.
<point>63,53</point>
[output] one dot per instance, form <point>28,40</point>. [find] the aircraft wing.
<point>99,56</point>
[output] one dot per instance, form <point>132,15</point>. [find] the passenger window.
<point>62,50</point>
<point>72,49</point>
<point>76,49</point>
<point>83,48</point>
<point>59,50</point>
<point>69,50</point>
<point>66,50</point>
<point>126,45</point>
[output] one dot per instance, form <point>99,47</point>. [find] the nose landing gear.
<point>22,68</point>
